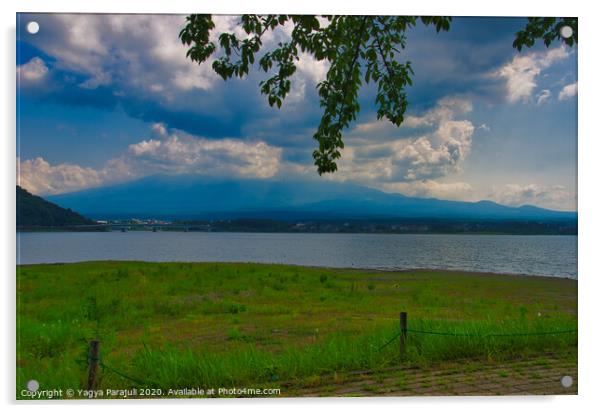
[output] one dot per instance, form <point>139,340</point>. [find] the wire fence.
<point>539,333</point>
<point>95,360</point>
<point>123,375</point>
<point>475,335</point>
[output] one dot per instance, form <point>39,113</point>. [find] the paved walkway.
<point>535,376</point>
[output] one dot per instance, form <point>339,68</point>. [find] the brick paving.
<point>533,376</point>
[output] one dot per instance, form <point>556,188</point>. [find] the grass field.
<point>181,325</point>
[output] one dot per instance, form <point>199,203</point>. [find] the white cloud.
<point>314,69</point>
<point>520,74</point>
<point>427,156</point>
<point>447,108</point>
<point>555,197</point>
<point>39,177</point>
<point>568,91</point>
<point>187,154</point>
<point>309,70</point>
<point>543,96</point>
<point>159,129</point>
<point>545,196</point>
<point>168,154</point>
<point>143,51</point>
<point>433,189</point>
<point>33,70</point>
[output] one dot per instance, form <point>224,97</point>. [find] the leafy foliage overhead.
<point>546,28</point>
<point>351,45</point>
<point>359,49</point>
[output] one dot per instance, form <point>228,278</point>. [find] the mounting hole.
<point>566,31</point>
<point>566,381</point>
<point>33,385</point>
<point>33,27</point>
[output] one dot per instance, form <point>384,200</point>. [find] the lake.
<point>514,254</point>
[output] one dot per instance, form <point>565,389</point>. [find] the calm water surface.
<point>515,254</point>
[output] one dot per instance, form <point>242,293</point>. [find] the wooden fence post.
<point>403,325</point>
<point>93,364</point>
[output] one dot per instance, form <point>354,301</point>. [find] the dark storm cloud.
<point>109,61</point>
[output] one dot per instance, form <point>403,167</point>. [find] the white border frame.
<point>590,149</point>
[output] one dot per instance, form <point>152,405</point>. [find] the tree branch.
<point>348,79</point>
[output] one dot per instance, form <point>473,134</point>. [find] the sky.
<point>105,99</point>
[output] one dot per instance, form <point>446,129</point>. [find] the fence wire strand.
<point>125,376</point>
<point>449,333</point>
<point>389,341</point>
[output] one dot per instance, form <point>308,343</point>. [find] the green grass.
<point>175,325</point>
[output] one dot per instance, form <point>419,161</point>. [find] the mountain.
<point>34,211</point>
<point>193,197</point>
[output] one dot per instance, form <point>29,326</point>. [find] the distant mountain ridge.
<point>34,211</point>
<point>193,197</point>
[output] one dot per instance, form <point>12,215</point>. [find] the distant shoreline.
<point>104,230</point>
<point>449,271</point>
